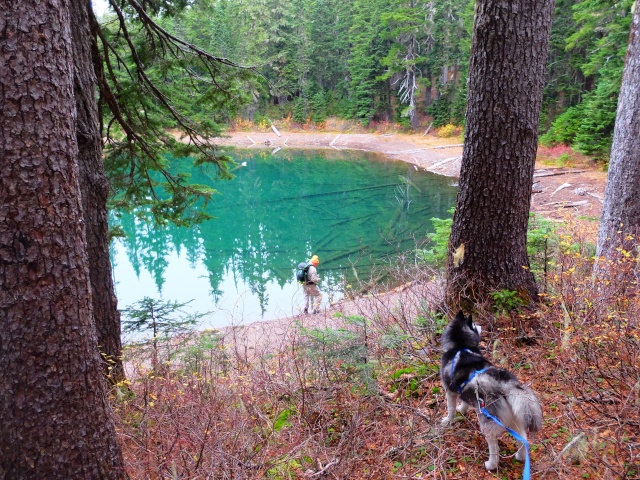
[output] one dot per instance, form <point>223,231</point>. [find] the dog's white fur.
<point>491,430</point>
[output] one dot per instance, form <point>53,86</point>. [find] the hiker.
<point>312,295</point>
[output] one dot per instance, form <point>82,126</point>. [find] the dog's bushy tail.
<point>526,408</point>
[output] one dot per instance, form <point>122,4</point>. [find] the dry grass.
<point>359,397</point>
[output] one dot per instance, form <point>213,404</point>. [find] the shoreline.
<point>553,196</point>
<point>556,189</point>
<point>442,156</point>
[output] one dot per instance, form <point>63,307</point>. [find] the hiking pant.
<point>312,296</point>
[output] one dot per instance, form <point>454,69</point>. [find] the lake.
<point>353,209</point>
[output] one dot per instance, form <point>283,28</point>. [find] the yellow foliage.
<point>449,130</point>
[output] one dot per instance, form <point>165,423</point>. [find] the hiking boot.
<point>306,310</point>
<point>316,311</point>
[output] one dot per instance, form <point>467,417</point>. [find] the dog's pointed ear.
<point>460,316</point>
<point>470,321</point>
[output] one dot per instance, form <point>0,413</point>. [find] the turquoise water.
<point>350,208</point>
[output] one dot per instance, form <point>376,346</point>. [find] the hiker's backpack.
<point>301,272</point>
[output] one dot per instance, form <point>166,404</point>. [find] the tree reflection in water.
<point>351,208</point>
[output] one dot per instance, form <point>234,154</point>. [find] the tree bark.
<point>55,421</point>
<point>620,223</point>
<point>506,79</point>
<point>94,187</point>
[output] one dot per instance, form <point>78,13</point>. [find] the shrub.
<point>542,242</point>
<point>436,255</point>
<point>448,131</point>
<point>564,129</point>
<point>506,301</point>
<point>358,396</point>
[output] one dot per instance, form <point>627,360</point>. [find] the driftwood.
<point>251,140</point>
<point>581,203</point>
<point>334,140</point>
<point>446,146</point>
<point>564,185</point>
<point>537,175</point>
<point>595,196</point>
<point>273,127</point>
<point>406,152</point>
<point>576,449</point>
<point>446,160</point>
<point>428,128</point>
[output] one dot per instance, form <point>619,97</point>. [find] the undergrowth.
<point>356,394</point>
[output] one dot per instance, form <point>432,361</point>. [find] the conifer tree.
<point>407,25</point>
<point>619,235</point>
<point>329,23</point>
<point>319,108</point>
<point>448,60</point>
<point>299,111</point>
<point>55,419</point>
<point>147,79</point>
<point>597,44</point>
<point>367,92</point>
<point>487,250</point>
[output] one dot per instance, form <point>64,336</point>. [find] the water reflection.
<point>347,207</point>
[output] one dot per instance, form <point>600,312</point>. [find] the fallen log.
<point>581,203</point>
<point>446,146</point>
<point>596,196</point>
<point>446,160</point>
<point>538,175</point>
<point>564,185</point>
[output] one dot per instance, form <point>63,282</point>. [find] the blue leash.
<point>453,367</point>
<point>526,474</point>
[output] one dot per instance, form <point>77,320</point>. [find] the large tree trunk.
<point>95,189</point>
<point>620,224</point>
<point>506,78</point>
<point>55,421</point>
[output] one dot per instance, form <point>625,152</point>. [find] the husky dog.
<point>465,373</point>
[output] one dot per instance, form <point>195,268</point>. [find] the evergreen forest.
<point>397,61</point>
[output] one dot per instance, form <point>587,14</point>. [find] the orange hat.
<point>315,260</point>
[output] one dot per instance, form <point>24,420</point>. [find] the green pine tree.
<point>164,319</point>
<point>367,90</point>
<point>319,104</point>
